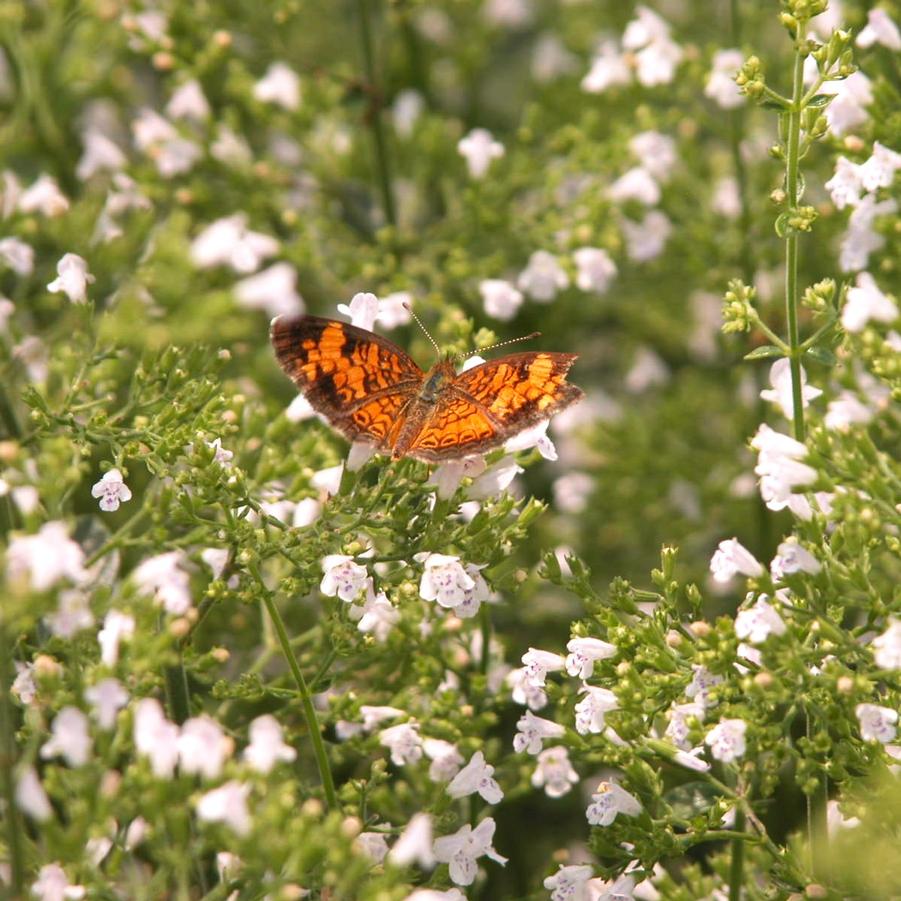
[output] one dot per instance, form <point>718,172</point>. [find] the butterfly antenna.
<point>425,331</point>
<point>479,350</point>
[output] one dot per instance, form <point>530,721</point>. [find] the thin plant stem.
<point>792,181</point>
<point>309,711</point>
<point>737,862</point>
<point>374,115</point>
<point>178,696</point>
<point>7,763</point>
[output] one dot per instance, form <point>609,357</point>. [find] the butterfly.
<point>372,391</point>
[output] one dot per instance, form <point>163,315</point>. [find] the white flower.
<point>31,798</point>
<point>227,804</point>
<point>543,277</point>
<point>267,747</point>
<point>162,577</point>
<point>230,148</point>
<point>572,492</point>
<point>377,615</point>
<point>852,96</point>
<point>445,580</point>
<point>592,709</point>
<point>73,279</point>
<point>554,773</point>
<point>215,558</point>
<point>692,760</point>
<point>362,310</point>
<point>583,652</point>
<point>52,884</point>
<point>479,148</point>
<point>415,843</point>
<point>203,747</point>
<point>100,154</point>
<point>343,577</point>
<point>403,741</point>
<point>306,512</point>
<point>726,740</point>
<point>570,883</point>
<point>781,391</point>
<point>609,67</point>
<point>523,692</point>
<point>476,776</point>
<point>446,759</point>
<point>757,623</point>
<point>645,240</point>
<point>373,844</point>
<point>46,557</point>
<point>44,197</point>
<point>678,727</point>
<point>71,616</point>
<point>229,242</point>
<point>188,102</point>
<point>280,85</point>
<point>329,479</point>
<point>846,411</point>
<point>721,86</point>
<point>464,847</point>
<point>70,737</point>
<point>702,681</point>
<point>659,55</point>
<point>495,480</point>
<point>112,490</point>
<point>866,302</point>
<point>636,184</point>
<point>726,199</point>
<point>116,626</point>
<point>876,723</point>
<point>888,646</point>
<point>448,476</point>
<point>656,152</point>
<point>158,138</point>
<point>156,738</point>
<point>880,29</point>
<point>532,731</point>
<point>538,664</point>
<point>508,13</point>
<point>106,698</point>
<point>23,686</point>
<point>879,170</point>
<point>18,255</point>
<point>595,269</point>
<point>406,110</point>
<point>273,290</point>
<point>845,186</point>
<point>792,558</point>
<point>374,716</point>
<point>862,239</point>
<point>781,470</point>
<point>732,557</point>
<point>608,802</point>
<point>534,436</point>
<point>551,59</point>
<point>499,298</point>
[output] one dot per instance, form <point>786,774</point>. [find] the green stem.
<point>374,115</point>
<point>178,697</point>
<point>7,763</point>
<point>737,862</point>
<point>485,616</point>
<point>792,167</point>
<point>309,711</point>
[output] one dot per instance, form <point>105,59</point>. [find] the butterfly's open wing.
<point>492,402</point>
<point>357,379</point>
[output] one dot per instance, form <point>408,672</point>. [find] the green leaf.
<point>821,354</point>
<point>821,101</point>
<point>781,225</point>
<point>767,352</point>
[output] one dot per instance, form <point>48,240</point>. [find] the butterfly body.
<point>371,391</point>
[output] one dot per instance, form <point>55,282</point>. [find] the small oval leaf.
<point>767,352</point>
<point>821,355</point>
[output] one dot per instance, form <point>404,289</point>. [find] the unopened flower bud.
<point>700,628</point>
<point>845,685</point>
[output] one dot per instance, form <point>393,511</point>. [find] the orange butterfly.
<point>371,391</point>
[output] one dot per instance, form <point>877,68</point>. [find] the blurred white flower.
<point>362,310</point>
<point>188,102</point>
<point>861,238</point>
<point>52,884</point>
<point>791,557</point>
<point>877,723</point>
<point>636,184</point>
<point>407,108</point>
<point>583,652</point>
<point>373,844</point>
<point>230,148</point>
<point>880,29</point>
<point>72,615</point>
<point>32,353</point>
<point>377,616</point>
<point>273,290</point>
<point>645,240</point>
<point>657,54</point>
<point>228,242</point>
<point>415,843</point>
<point>726,740</point>
<point>112,490</point>
<point>781,391</point>
<point>846,410</point>
<point>46,557</point>
<point>446,759</point>
<point>592,709</point>
<point>554,773</point>
<point>227,804</point>
<point>656,152</point>
<point>476,776</point>
<point>879,170</point>
<point>543,277</point>
<point>343,577</point>
<point>609,801</point>
<point>721,86</point>
<point>462,849</point>
<point>609,67</point>
<point>70,738</point>
<point>164,578</point>
<point>849,109</point>
<point>726,200</point>
<point>479,148</point>
<point>510,14</point>
<point>845,185</point>
<point>160,140</point>
<point>866,302</point>
<point>106,698</point>
<point>573,491</point>
<point>23,686</point>
<point>156,738</point>
<point>551,59</point>
<point>757,623</point>
<point>116,627</point>
<point>403,741</point>
<point>329,479</point>
<point>394,309</point>
<point>373,716</point>
<point>306,512</point>
<point>267,746</point>
<point>594,269</point>
<point>101,154</point>
<point>45,197</point>
<point>499,298</point>
<point>31,798</point>
<point>203,747</point>
<point>280,85</point>
<point>532,731</point>
<point>18,255</point>
<point>73,278</point>
<point>887,646</point>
